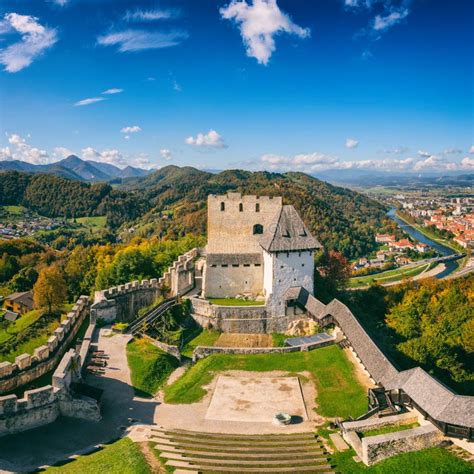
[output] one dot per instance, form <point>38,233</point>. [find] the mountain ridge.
<point>73,167</point>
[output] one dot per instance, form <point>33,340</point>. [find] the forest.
<point>428,323</point>
<point>171,203</point>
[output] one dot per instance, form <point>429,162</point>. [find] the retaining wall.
<point>28,368</point>
<point>239,319</point>
<point>378,448</point>
<point>171,350</point>
<point>202,352</point>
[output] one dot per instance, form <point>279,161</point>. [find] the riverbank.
<point>430,235</point>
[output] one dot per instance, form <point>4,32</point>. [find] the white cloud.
<point>60,2</point>
<point>35,39</point>
<point>21,150</point>
<point>351,143</point>
<point>431,161</point>
<point>209,140</point>
<point>131,129</point>
<point>139,40</point>
<point>166,154</point>
<point>111,156</point>
<point>467,163</point>
<point>383,22</point>
<point>177,87</point>
<point>151,15</point>
<point>471,150</point>
<point>303,162</point>
<point>259,23</point>
<point>90,100</point>
<point>452,151</point>
<point>424,153</point>
<point>62,152</point>
<point>114,90</point>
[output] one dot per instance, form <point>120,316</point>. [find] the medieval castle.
<point>257,248</point>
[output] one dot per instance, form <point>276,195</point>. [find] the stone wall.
<point>171,350</point>
<point>229,281</point>
<point>202,352</point>
<point>369,424</point>
<point>43,405</point>
<point>378,448</point>
<point>239,319</point>
<point>28,368</point>
<point>123,302</point>
<point>230,230</point>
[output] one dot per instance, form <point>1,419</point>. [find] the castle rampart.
<point>27,368</point>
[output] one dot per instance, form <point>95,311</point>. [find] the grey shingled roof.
<point>234,258</point>
<point>25,298</point>
<point>433,397</point>
<point>288,233</point>
<point>304,298</point>
<point>379,367</point>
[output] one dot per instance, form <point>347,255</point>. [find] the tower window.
<point>257,207</point>
<point>258,229</point>
<point>222,206</point>
<point>241,207</point>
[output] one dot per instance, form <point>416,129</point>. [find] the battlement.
<point>39,397</point>
<point>27,367</point>
<point>246,199</point>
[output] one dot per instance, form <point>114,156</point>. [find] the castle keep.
<point>257,248</point>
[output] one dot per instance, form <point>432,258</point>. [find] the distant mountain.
<point>358,177</point>
<point>54,168</point>
<point>85,169</point>
<point>74,167</point>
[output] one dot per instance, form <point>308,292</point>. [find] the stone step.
<point>183,465</point>
<point>206,447</point>
<point>245,462</point>
<point>200,434</point>
<point>219,442</point>
<point>231,454</point>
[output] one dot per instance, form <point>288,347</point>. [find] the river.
<point>415,234</point>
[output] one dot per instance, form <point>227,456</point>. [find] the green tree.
<point>24,279</point>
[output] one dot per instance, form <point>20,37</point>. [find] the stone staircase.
<point>196,452</point>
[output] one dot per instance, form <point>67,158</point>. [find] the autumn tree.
<point>50,290</point>
<point>331,274</point>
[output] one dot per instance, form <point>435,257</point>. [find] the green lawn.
<point>121,457</point>
<point>235,302</point>
<point>388,276</point>
<point>39,337</point>
<point>149,366</point>
<point>203,338</point>
<point>388,429</point>
<point>339,394</point>
<point>14,210</point>
<point>93,222</point>
<point>426,461</point>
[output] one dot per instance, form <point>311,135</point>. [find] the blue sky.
<point>256,84</point>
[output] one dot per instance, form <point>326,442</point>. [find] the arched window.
<point>222,206</point>
<point>257,207</point>
<point>258,229</point>
<point>241,207</point>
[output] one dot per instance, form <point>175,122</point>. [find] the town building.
<point>19,303</point>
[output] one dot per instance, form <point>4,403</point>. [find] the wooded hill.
<point>171,202</point>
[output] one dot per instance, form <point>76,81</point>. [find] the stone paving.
<point>255,399</point>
